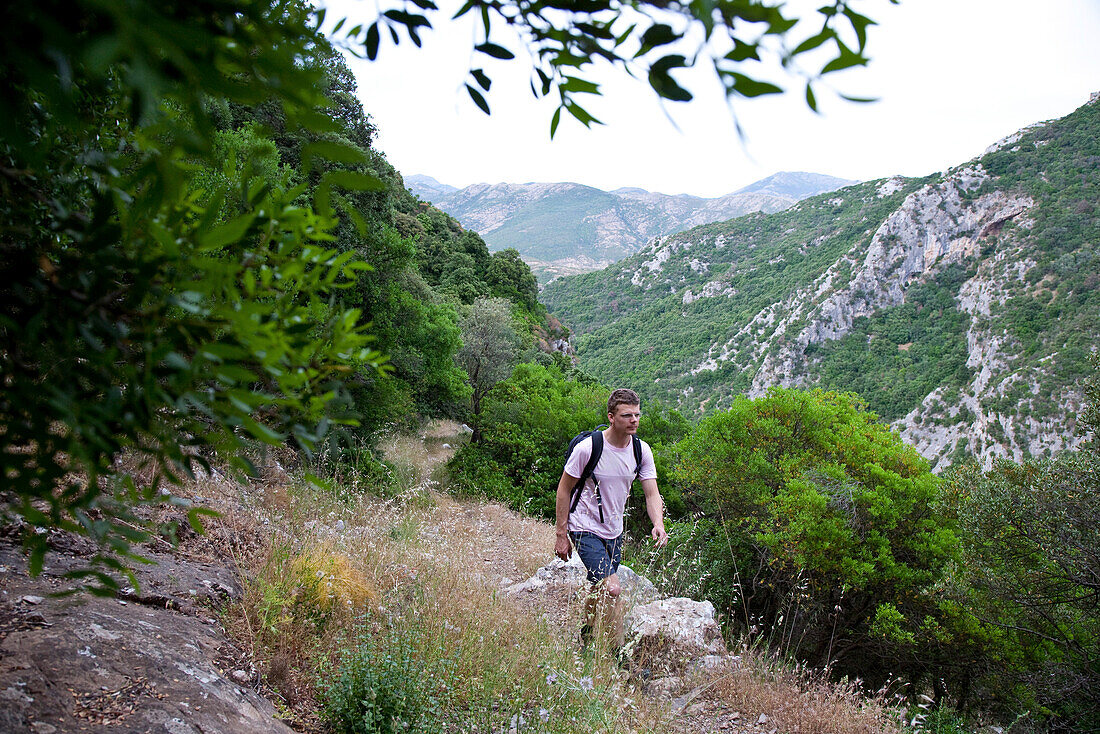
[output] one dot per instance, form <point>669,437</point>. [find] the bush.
<point>829,518</point>
<point>383,690</point>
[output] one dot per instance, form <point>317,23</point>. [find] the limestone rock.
<point>559,575</point>
<point>673,633</point>
<point>146,661</point>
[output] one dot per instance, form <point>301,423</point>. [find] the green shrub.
<point>384,691</point>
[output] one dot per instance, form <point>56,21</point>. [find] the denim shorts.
<point>600,556</point>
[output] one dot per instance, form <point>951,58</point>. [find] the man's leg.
<point>602,606</point>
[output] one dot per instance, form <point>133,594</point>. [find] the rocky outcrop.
<point>935,226</point>
<point>569,576</point>
<point>666,636</point>
<point>150,660</point>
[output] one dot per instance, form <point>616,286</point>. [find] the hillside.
<point>563,228</point>
<point>961,306</point>
<point>237,630</point>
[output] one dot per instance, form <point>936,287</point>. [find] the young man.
<point>595,527</point>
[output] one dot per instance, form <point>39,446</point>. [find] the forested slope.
<point>961,306</point>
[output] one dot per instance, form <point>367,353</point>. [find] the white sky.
<point>952,77</point>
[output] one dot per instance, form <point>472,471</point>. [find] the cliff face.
<point>962,306</point>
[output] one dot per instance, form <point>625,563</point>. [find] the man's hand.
<point>660,535</point>
<point>563,548</point>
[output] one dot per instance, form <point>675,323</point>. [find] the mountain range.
<point>565,228</point>
<point>962,306</point>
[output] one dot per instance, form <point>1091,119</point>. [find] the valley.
<point>961,306</point>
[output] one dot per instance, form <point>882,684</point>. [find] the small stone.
<point>339,526</point>
<point>36,618</point>
<point>31,599</point>
<point>762,720</point>
<point>735,716</point>
<point>240,676</point>
<point>41,727</point>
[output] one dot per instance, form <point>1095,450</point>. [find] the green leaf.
<point>743,51</point>
<point>579,86</point>
<point>846,58</point>
<point>748,87</point>
<point>194,514</point>
<point>478,99</point>
<point>372,42</point>
<point>554,122</point>
<point>814,41</point>
<point>662,82</point>
<point>260,431</point>
<point>497,52</point>
<point>859,25</point>
<point>811,99</point>
<point>656,35</point>
<point>482,79</point>
<point>227,233</point>
<point>861,100</point>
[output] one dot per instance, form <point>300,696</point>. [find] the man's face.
<point>625,418</point>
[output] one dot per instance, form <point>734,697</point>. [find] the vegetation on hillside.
<point>690,319</point>
<point>201,250</point>
<point>819,534</point>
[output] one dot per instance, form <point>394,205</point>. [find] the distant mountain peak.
<point>566,227</point>
<point>796,184</point>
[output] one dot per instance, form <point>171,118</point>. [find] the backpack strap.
<point>637,456</point>
<point>597,450</point>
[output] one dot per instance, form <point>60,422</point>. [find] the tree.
<point>140,310</point>
<point>649,39</point>
<point>527,422</point>
<point>490,346</point>
<point>1032,572</point>
<point>509,277</point>
<point>828,523</point>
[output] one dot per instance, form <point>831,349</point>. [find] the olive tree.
<point>490,346</point>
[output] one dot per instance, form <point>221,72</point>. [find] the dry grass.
<point>797,700</point>
<point>328,571</point>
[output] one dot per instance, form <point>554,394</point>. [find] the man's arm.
<point>655,508</point>
<point>562,547</point>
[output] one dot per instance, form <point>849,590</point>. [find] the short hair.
<point>622,396</point>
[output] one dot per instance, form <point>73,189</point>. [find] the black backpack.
<point>597,451</point>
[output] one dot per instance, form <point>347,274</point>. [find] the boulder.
<point>570,576</point>
<point>671,634</point>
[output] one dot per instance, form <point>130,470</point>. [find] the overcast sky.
<point>952,77</point>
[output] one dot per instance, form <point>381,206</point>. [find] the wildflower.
<point>544,715</point>
<point>585,683</point>
<point>551,678</point>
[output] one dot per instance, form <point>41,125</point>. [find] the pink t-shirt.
<point>615,470</point>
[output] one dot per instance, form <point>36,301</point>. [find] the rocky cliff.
<point>961,306</point>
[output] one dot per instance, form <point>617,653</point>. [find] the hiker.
<point>593,523</point>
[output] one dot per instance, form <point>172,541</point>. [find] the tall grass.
<point>381,611</point>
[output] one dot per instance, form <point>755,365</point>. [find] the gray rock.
<point>666,687</point>
<point>147,665</point>
<point>571,575</point>
<point>673,633</point>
